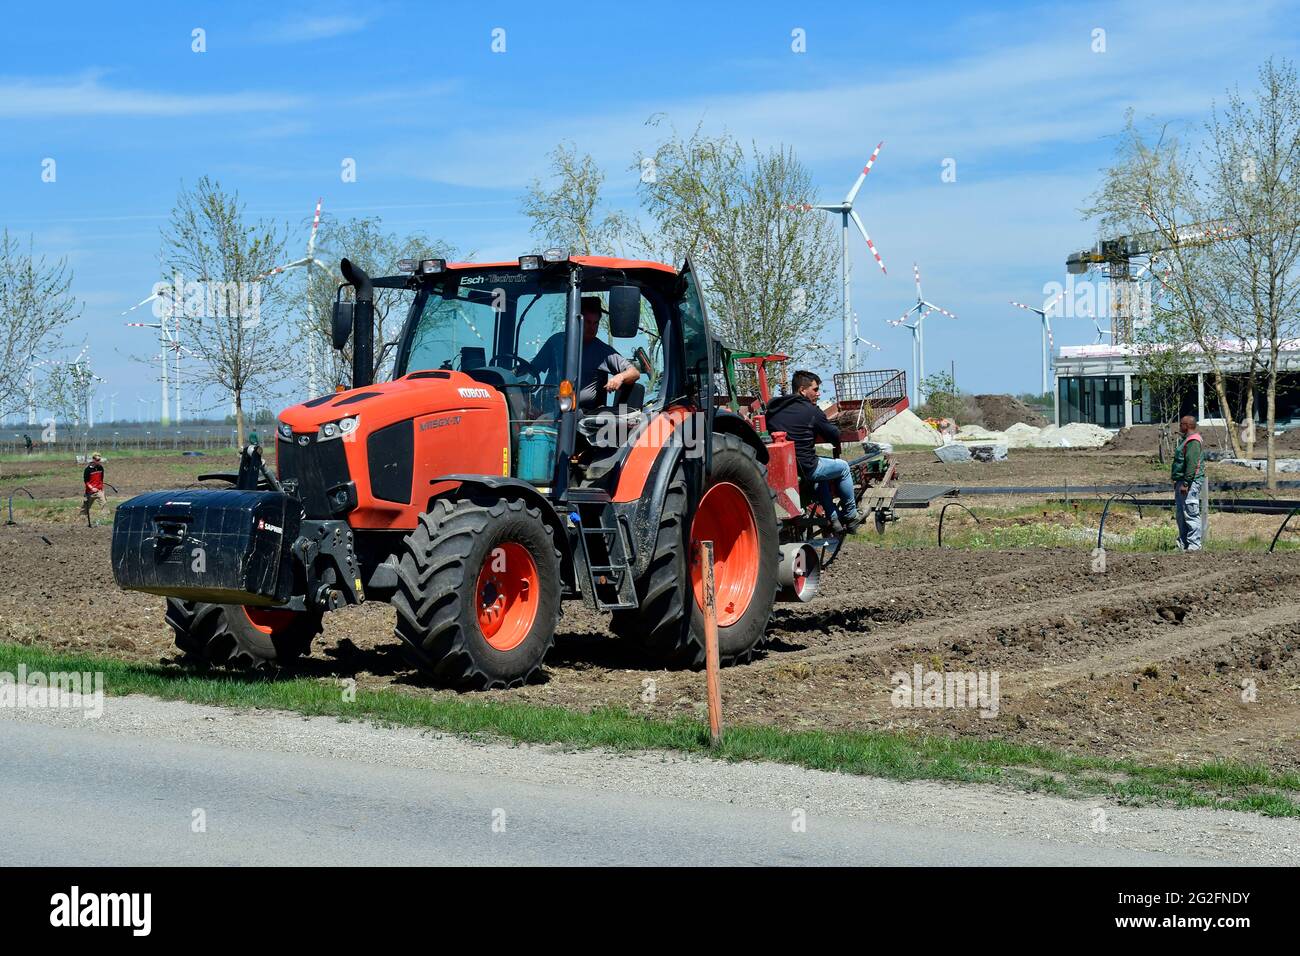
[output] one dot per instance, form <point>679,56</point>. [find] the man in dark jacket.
<point>804,424</point>
<point>1188,474</point>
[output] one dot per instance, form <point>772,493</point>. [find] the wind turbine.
<point>844,209</point>
<point>307,261</point>
<point>86,379</point>
<point>1045,315</point>
<point>164,338</point>
<point>31,388</point>
<point>921,309</point>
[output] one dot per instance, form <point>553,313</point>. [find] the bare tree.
<point>366,243</point>
<point>36,303</point>
<point>769,270</point>
<point>1255,172</point>
<point>219,264</point>
<point>1153,186</point>
<point>569,215</point>
<point>67,392</point>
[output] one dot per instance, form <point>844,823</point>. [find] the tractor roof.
<point>595,262</point>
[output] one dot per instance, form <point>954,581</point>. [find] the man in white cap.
<point>93,479</point>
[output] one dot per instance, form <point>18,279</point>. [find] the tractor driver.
<point>602,368</point>
<point>803,422</point>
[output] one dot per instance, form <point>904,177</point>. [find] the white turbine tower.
<point>164,338</point>
<point>844,209</point>
<point>306,262</point>
<point>921,310</point>
<point>1048,345</point>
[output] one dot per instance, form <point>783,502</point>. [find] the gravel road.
<point>134,786</point>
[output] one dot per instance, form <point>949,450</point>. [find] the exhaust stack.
<point>363,323</point>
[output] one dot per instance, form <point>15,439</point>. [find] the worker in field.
<point>1188,474</point>
<point>93,479</point>
<point>27,440</point>
<point>805,424</point>
<point>603,369</point>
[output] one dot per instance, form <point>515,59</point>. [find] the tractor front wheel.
<point>217,634</point>
<point>478,593</point>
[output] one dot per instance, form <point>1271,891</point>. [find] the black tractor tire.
<point>669,624</point>
<point>214,635</point>
<point>437,597</point>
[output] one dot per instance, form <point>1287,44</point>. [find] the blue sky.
<point>446,134</point>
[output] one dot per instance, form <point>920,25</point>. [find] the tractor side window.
<point>645,351</point>
<point>695,337</point>
<point>540,334</point>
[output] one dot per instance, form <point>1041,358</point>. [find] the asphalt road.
<point>73,794</point>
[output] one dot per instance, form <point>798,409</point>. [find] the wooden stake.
<point>711,665</point>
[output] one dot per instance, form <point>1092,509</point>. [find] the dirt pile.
<point>1146,438</point>
<point>906,428</point>
<point>1002,411</point>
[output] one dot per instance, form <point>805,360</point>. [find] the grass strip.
<point>892,755</point>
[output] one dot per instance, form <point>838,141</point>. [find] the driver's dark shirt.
<point>599,361</point>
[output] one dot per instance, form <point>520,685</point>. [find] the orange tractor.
<point>476,490</point>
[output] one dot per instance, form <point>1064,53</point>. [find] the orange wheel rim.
<point>268,620</point>
<point>725,518</point>
<point>506,594</point>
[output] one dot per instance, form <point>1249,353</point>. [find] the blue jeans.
<point>835,470</point>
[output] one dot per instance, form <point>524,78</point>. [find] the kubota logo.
<point>474,393</point>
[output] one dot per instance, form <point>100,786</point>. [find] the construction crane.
<point>1118,254</point>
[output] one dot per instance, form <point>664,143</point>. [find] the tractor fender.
<point>728,422</point>
<point>494,486</point>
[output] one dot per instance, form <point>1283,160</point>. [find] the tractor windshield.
<point>479,319</point>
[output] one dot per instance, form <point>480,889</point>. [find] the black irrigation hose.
<point>1123,494</point>
<point>943,511</point>
<point>1278,533</point>
<point>11,503</point>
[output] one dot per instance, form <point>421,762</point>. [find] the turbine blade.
<point>944,311</point>
<point>284,268</point>
<point>857,221</point>
<point>916,275</point>
<point>1027,308</point>
<point>142,302</point>
<point>315,224</point>
<point>863,176</point>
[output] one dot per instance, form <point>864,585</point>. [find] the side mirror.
<point>341,323</point>
<point>624,311</point>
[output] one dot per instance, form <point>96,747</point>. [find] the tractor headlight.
<point>286,431</point>
<point>337,429</point>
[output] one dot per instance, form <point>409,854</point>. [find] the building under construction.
<point>1102,385</point>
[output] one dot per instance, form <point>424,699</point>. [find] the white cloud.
<point>31,98</point>
<point>309,29</point>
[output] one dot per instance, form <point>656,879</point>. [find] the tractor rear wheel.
<point>217,634</point>
<point>737,513</point>
<point>478,593</point>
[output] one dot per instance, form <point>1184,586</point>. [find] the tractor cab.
<point>517,329</point>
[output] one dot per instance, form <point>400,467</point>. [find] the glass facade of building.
<point>1098,399</point>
